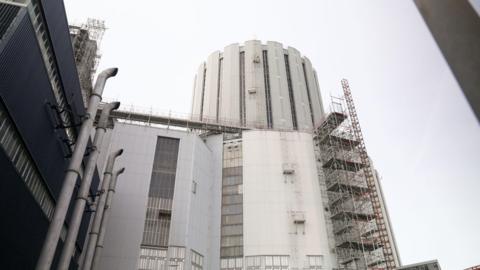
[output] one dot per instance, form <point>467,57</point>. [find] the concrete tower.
<point>260,86</point>
<point>276,188</point>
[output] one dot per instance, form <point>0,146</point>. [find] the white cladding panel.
<point>274,200</point>
<point>281,113</point>
<point>195,222</point>
<point>302,107</point>
<point>255,103</point>
<point>228,100</point>
<point>210,98</point>
<point>314,93</point>
<point>319,92</point>
<point>230,89</point>
<point>198,93</point>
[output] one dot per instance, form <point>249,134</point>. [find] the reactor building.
<point>260,176</point>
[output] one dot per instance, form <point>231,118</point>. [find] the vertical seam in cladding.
<point>8,13</point>
<point>308,94</point>
<point>194,94</point>
<point>203,91</point>
<point>290,92</point>
<point>219,85</point>
<point>319,94</point>
<point>266,74</point>
<point>242,88</point>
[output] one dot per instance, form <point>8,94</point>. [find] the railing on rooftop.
<point>151,116</point>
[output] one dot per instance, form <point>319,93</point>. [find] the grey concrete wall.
<point>191,226</point>
<point>125,227</point>
<point>455,27</point>
<point>215,145</point>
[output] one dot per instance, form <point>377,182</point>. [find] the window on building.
<point>176,256</point>
<point>231,244</point>
<point>315,262</point>
<point>152,259</point>
<point>277,262</point>
<point>231,264</point>
<point>197,261</point>
<point>159,206</point>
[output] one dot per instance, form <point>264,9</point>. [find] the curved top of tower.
<point>258,85</point>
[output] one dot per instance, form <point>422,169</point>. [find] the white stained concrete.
<point>272,198</point>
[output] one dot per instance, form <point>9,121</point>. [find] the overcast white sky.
<point>418,127</point>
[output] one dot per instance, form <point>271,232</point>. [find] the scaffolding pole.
<point>359,229</point>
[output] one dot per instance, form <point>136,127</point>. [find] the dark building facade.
<point>40,108</point>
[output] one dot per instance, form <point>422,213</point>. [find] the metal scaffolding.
<point>92,30</point>
<point>86,39</point>
<point>360,233</point>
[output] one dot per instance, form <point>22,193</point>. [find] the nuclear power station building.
<point>260,176</point>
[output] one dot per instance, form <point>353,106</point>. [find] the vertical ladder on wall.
<point>374,196</point>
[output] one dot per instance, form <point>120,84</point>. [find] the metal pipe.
<point>73,173</point>
<point>82,195</point>
<point>97,220</point>
<point>106,216</point>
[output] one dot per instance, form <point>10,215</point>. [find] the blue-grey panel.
<point>25,90</point>
<point>56,19</point>
<point>7,15</point>
<point>57,25</point>
<point>23,224</point>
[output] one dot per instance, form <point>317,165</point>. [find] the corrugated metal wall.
<point>26,91</point>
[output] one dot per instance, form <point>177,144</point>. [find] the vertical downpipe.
<point>82,195</point>
<point>97,220</point>
<point>73,173</point>
<point>106,216</point>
